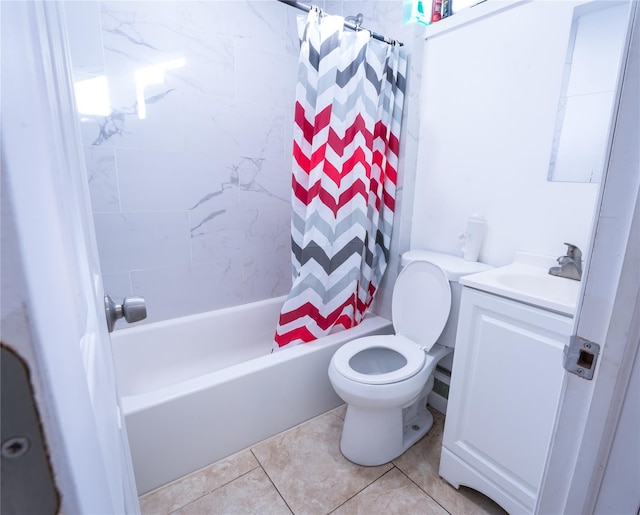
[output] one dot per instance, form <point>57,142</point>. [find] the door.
<point>609,313</point>
<point>68,347</point>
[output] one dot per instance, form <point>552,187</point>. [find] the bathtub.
<point>199,388</point>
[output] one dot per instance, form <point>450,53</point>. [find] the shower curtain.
<point>348,110</point>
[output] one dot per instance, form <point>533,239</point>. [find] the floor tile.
<point>421,463</point>
<point>392,494</point>
<point>307,468</point>
<point>189,488</point>
<point>340,411</point>
<point>252,493</point>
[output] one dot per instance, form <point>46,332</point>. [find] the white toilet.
<point>385,380</point>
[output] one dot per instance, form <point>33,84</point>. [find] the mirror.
<point>592,69</point>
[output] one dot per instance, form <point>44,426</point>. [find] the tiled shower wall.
<point>191,203</point>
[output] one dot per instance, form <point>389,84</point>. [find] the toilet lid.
<point>421,303</point>
<point>380,359</point>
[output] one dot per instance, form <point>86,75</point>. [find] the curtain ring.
<point>356,20</point>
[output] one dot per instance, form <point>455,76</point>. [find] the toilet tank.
<point>454,267</point>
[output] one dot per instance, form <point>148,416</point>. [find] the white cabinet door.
<point>506,382</point>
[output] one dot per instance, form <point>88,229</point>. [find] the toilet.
<point>386,379</point>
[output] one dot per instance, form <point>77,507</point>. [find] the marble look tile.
<point>266,78</point>
<point>219,16</point>
<point>307,468</point>
<point>264,185</point>
<point>84,38</point>
<point>382,301</point>
<point>152,180</point>
<point>160,129</point>
<point>291,37</point>
<point>211,125</point>
<point>185,290</point>
<point>266,276</point>
<point>218,231</point>
<point>288,142</point>
<point>263,25</point>
<point>421,464</point>
<point>118,286</point>
<point>404,234</point>
<point>233,129</point>
<point>268,227</point>
<point>257,239</point>
<point>334,7</point>
<point>393,493</point>
<point>267,254</point>
<point>251,493</point>
<point>133,241</point>
<point>141,34</point>
<point>103,179</point>
<point>190,488</point>
<point>252,24</point>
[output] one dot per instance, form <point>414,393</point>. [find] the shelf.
<point>470,15</point>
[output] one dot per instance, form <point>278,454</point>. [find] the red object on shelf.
<point>436,12</point>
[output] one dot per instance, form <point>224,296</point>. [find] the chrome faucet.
<point>570,265</point>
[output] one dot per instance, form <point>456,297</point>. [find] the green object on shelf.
<point>416,11</point>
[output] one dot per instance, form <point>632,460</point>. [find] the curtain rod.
<point>347,24</point>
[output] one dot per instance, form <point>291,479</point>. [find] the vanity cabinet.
<point>505,388</point>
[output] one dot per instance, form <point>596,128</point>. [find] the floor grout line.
<point>214,489</point>
<point>362,489</point>
<point>271,481</point>
<point>294,497</point>
<point>422,489</point>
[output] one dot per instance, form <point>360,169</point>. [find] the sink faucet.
<point>570,265</point>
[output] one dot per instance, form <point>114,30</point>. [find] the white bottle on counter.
<point>472,237</point>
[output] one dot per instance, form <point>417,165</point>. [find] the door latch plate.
<point>580,357</point>
<point>28,483</point>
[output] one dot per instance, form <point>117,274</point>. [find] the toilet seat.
<point>421,303</point>
<point>405,348</point>
<point>420,308</point>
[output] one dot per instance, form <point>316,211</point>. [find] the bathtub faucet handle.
<point>132,309</point>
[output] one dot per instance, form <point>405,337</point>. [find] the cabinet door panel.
<point>506,381</point>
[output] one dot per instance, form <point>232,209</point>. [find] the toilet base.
<point>372,437</point>
<point>417,427</point>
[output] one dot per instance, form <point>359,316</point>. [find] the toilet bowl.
<point>386,379</point>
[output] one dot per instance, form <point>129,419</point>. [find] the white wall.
<point>488,107</point>
<point>619,491</point>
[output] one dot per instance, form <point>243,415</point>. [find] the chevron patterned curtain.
<point>348,110</point>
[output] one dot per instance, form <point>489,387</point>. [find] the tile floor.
<point>302,471</point>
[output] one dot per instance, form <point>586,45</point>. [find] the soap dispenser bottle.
<point>472,237</point>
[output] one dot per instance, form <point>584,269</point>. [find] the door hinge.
<point>580,357</point>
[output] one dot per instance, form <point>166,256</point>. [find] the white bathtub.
<point>199,388</point>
